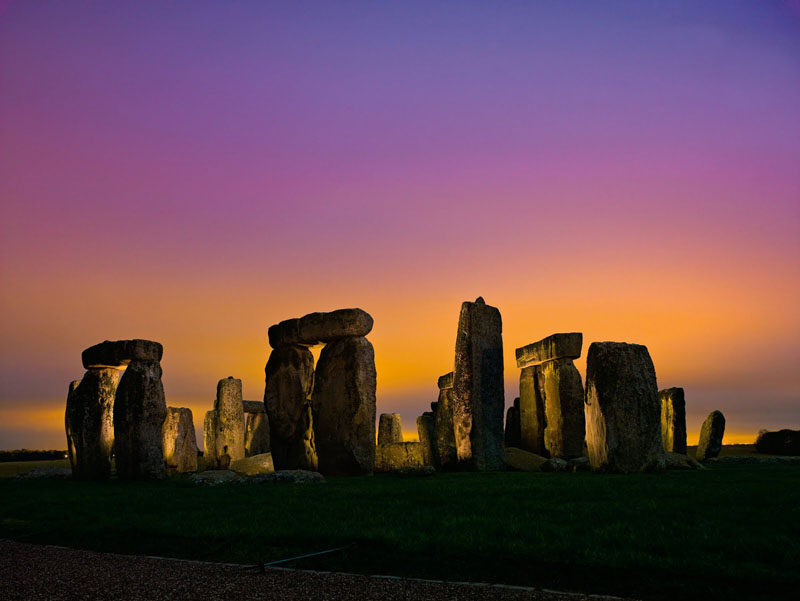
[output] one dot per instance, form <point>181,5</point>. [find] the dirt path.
<point>33,572</point>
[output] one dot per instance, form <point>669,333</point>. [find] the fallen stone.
<point>679,461</point>
<point>390,428</point>
<point>673,420</point>
<point>513,437</point>
<point>252,466</point>
<point>446,381</point>
<point>623,415</point>
<point>316,328</point>
<point>179,441</point>
<point>139,412</point>
<point>427,438</point>
<point>120,353</point>
<point>711,436</point>
<point>230,420</point>
<point>253,406</point>
<point>215,477</point>
<point>289,376</point>
<point>478,399</point>
<point>580,464</point>
<point>555,464</point>
<point>256,435</point>
<point>531,411</point>
<point>210,425</point>
<point>398,455</point>
<point>557,346</point>
<point>782,442</point>
<point>523,461</point>
<point>287,477</point>
<point>443,427</point>
<point>343,406</point>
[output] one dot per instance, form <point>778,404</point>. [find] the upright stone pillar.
<point>229,439</point>
<point>443,424</point>
<point>531,411</point>
<point>513,431</point>
<point>673,420</point>
<point>210,427</point>
<point>89,420</point>
<point>478,388</point>
<point>711,435</point>
<point>427,438</point>
<point>256,436</point>
<point>390,428</point>
<point>623,415</point>
<point>179,440</point>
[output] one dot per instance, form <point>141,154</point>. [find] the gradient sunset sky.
<point>193,172</point>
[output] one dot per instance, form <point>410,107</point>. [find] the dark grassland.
<point>727,532</point>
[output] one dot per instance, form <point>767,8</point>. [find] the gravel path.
<point>32,572</point>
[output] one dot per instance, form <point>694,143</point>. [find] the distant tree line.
<point>30,455</point>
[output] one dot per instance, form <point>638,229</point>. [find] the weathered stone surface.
<point>679,461</point>
<point>179,440</point>
<point>215,477</point>
<point>782,442</point>
<point>531,411</point>
<point>229,439</point>
<point>623,415</point>
<point>561,389</point>
<point>256,435</point>
<point>427,438</point>
<point>444,430</point>
<point>398,455</point>
<point>580,464</point>
<point>555,464</point>
<point>711,436</point>
<point>446,381</point>
<point>513,436</point>
<point>289,377</point>
<point>390,428</point>
<point>118,353</point>
<point>210,425</point>
<point>252,466</point>
<point>288,477</point>
<point>89,421</point>
<point>557,346</point>
<point>523,461</point>
<point>139,413</point>
<point>343,404</point>
<point>315,328</point>
<point>673,420</point>
<point>253,407</point>
<point>478,397</point>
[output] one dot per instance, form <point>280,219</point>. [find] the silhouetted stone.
<point>343,404</point>
<point>623,415</point>
<point>398,456</point>
<point>179,440</point>
<point>443,425</point>
<point>89,420</point>
<point>711,436</point>
<point>210,425</point>
<point>253,407</point>
<point>289,377</point>
<point>314,328</point>
<point>557,346</point>
<point>427,438</point>
<point>513,436</point>
<point>390,428</point>
<point>446,381</point>
<point>252,466</point>
<point>555,464</point>
<point>119,353</point>
<point>139,413</point>
<point>782,442</point>
<point>230,421</point>
<point>256,435</point>
<point>561,389</point>
<point>523,461</point>
<point>531,411</point>
<point>673,420</point>
<point>479,403</point>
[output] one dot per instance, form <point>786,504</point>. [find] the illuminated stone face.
<point>210,425</point>
<point>229,439</point>
<point>673,420</point>
<point>398,455</point>
<point>256,436</point>
<point>390,428</point>
<point>427,438</point>
<point>179,442</point>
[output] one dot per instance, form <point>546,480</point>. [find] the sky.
<point>193,172</point>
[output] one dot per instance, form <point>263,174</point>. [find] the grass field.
<point>727,532</point>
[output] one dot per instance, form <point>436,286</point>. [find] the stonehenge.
<point>179,440</point>
<point>210,425</point>
<point>623,416</point>
<point>711,434</point>
<point>427,438</point>
<point>513,436</point>
<point>443,427</point>
<point>396,456</point>
<point>673,420</point>
<point>478,394</point>
<point>390,428</point>
<point>229,436</point>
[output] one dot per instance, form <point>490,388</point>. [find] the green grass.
<point>727,532</point>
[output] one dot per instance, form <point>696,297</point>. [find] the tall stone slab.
<point>229,439</point>
<point>390,428</point>
<point>478,393</point>
<point>179,440</point>
<point>139,412</point>
<point>513,437</point>
<point>711,435</point>
<point>89,420</point>
<point>673,420</point>
<point>444,429</point>
<point>256,435</point>
<point>623,415</point>
<point>561,390</point>
<point>210,425</point>
<point>427,438</point>
<point>289,378</point>
<point>531,411</point>
<point>343,404</point>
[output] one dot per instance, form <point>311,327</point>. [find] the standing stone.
<point>139,413</point>
<point>531,411</point>
<point>230,422</point>
<point>210,425</point>
<point>289,378</point>
<point>390,428</point>
<point>478,388</point>
<point>513,431</point>
<point>561,389</point>
<point>427,438</point>
<point>711,436</point>
<point>343,404</point>
<point>673,420</point>
<point>179,441</point>
<point>256,436</point>
<point>89,421</point>
<point>623,416</point>
<point>443,424</point>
